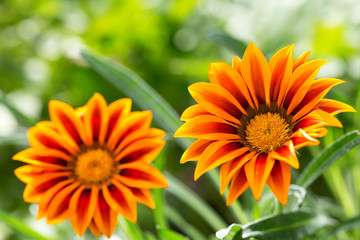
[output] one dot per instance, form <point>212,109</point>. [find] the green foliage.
<point>291,226</point>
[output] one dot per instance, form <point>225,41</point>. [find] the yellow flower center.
<point>267,132</point>
<point>94,166</point>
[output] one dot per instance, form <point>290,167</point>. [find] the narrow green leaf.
<point>168,234</point>
<point>131,230</point>
<point>17,138</point>
<point>186,227</point>
<point>236,46</point>
<point>20,226</point>
<point>328,156</point>
<point>139,91</point>
<point>296,198</point>
<point>190,198</point>
<point>350,224</point>
<point>19,115</point>
<point>290,226</point>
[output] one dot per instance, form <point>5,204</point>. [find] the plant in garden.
<point>252,117</point>
<point>91,163</point>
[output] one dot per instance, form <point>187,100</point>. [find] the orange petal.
<point>96,119</point>
<point>42,136</point>
<point>28,173</point>
<point>236,64</point>
<point>257,74</point>
<point>301,60</point>
<point>50,158</point>
<point>208,127</point>
<point>136,121</point>
<point>141,175</point>
<point>301,139</point>
<point>257,172</point>
<point>120,199</point>
<point>104,217</point>
<point>317,118</point>
<point>238,185</point>
<point>193,153</point>
<point>49,195</point>
<point>281,65</point>
<point>318,132</point>
<point>279,181</point>
<point>228,169</point>
<point>144,149</point>
<point>218,153</point>
<point>68,123</point>
<point>38,186</point>
<point>143,195</point>
<point>222,74</point>
<point>82,208</point>
<point>286,154</point>
<point>58,210</point>
<point>117,110</point>
<point>333,107</point>
<point>300,83</point>
<point>193,111</point>
<point>95,229</point>
<point>217,100</point>
<point>318,90</point>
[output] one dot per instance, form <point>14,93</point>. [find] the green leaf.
<point>20,226</point>
<point>233,232</point>
<point>236,46</point>
<point>17,138</point>
<point>168,234</point>
<point>350,224</point>
<point>296,197</point>
<point>190,198</point>
<point>328,156</point>
<point>139,91</point>
<point>290,226</point>
<point>19,115</point>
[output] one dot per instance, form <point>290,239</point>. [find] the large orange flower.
<point>91,164</point>
<point>253,116</point>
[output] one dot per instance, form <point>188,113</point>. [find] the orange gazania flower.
<point>253,116</point>
<point>91,164</point>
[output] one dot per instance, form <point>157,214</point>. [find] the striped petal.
<point>239,184</point>
<point>279,181</point>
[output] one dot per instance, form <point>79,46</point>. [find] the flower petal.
<point>257,172</point>
<point>136,121</point>
<point>222,74</point>
<point>82,208</point>
<point>257,74</point>
<point>140,175</point>
<point>58,210</point>
<point>317,90</point>
<point>229,169</point>
<point>117,110</point>
<point>300,83</point>
<point>301,139</point>
<point>208,127</point>
<point>193,153</point>
<point>216,154</point>
<point>95,229</point>
<point>239,184</point>
<point>217,100</point>
<point>104,217</point>
<point>193,111</point>
<point>143,149</point>
<point>286,154</point>
<point>143,195</point>
<point>333,107</point>
<point>68,123</point>
<point>281,65</point>
<point>120,199</point>
<point>279,181</point>
<point>96,119</point>
<point>301,60</point>
<point>28,173</point>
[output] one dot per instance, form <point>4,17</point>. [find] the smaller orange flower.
<point>91,163</point>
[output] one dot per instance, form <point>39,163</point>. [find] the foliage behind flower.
<point>252,117</point>
<point>91,164</point>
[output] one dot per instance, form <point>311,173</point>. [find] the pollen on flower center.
<point>267,132</point>
<point>94,166</point>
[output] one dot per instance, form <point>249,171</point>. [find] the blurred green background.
<point>170,44</point>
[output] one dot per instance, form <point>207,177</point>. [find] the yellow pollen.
<point>267,132</point>
<point>94,166</point>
